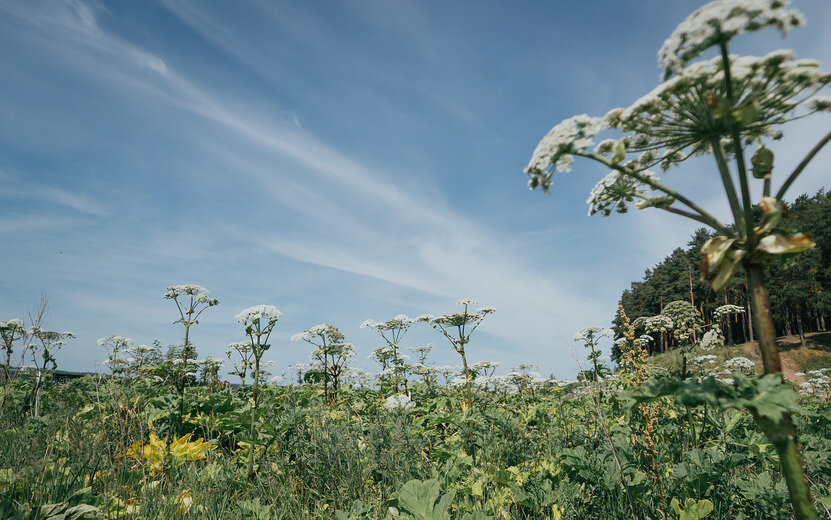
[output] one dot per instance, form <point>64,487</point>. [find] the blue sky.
<point>340,160</point>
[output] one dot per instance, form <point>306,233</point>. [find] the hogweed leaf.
<point>693,509</point>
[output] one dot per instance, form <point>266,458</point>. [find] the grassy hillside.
<point>795,358</point>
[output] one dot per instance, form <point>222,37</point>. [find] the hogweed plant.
<point>259,322</point>
<point>392,331</point>
<point>427,372</point>
<point>209,370</point>
<point>590,338</point>
<point>45,344</point>
<point>140,358</point>
<point>191,301</point>
<point>687,326</point>
<point>241,355</point>
<point>11,331</point>
<point>115,345</point>
<point>331,355</point>
<point>724,316</point>
<point>717,107</point>
<point>457,328</point>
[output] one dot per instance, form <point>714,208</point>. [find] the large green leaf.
<point>423,500</point>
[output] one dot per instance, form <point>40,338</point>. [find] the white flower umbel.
<point>259,314</point>
<point>556,150</point>
<point>727,310</point>
<point>718,22</point>
<point>399,402</point>
<point>674,121</point>
<point>705,359</point>
<point>614,191</point>
<point>712,338</point>
<point>740,364</point>
<point>243,350</point>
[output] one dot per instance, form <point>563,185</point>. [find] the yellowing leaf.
<point>778,244</point>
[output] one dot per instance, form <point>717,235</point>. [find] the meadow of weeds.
<point>106,446</point>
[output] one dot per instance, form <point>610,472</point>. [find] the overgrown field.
<point>545,451</point>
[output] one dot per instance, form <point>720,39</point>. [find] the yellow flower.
<point>181,449</point>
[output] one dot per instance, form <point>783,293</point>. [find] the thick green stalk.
<point>467,377</point>
<point>763,319</point>
<point>739,152</point>
<point>185,354</point>
<point>798,489</point>
<point>727,181</point>
<point>782,434</point>
<point>254,414</point>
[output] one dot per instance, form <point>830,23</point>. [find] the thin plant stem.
<point>801,166</point>
<point>602,422</point>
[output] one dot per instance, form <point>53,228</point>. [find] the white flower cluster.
<point>115,343</point>
<point>423,348</point>
<point>399,402</point>
<point>320,330</point>
<point>820,104</point>
<point>483,367</point>
<point>711,339</point>
<point>818,382</point>
<point>593,332</point>
<point>727,310</point>
<point>740,364</point>
<point>12,327</point>
<point>556,150</point>
<point>701,361</point>
<point>718,22</point>
<point>659,323</point>
<point>50,338</point>
<point>240,346</point>
<point>614,191</point>
<point>423,370</point>
<point>141,350</point>
<point>197,292</point>
<point>258,312</point>
<point>457,319</point>
<point>775,85</point>
<point>210,362</point>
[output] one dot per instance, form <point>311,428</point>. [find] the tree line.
<point>799,285</point>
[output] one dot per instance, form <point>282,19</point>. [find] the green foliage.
<point>693,509</point>
<point>537,454</point>
<point>419,500</point>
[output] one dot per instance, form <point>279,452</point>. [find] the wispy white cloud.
<point>57,196</point>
